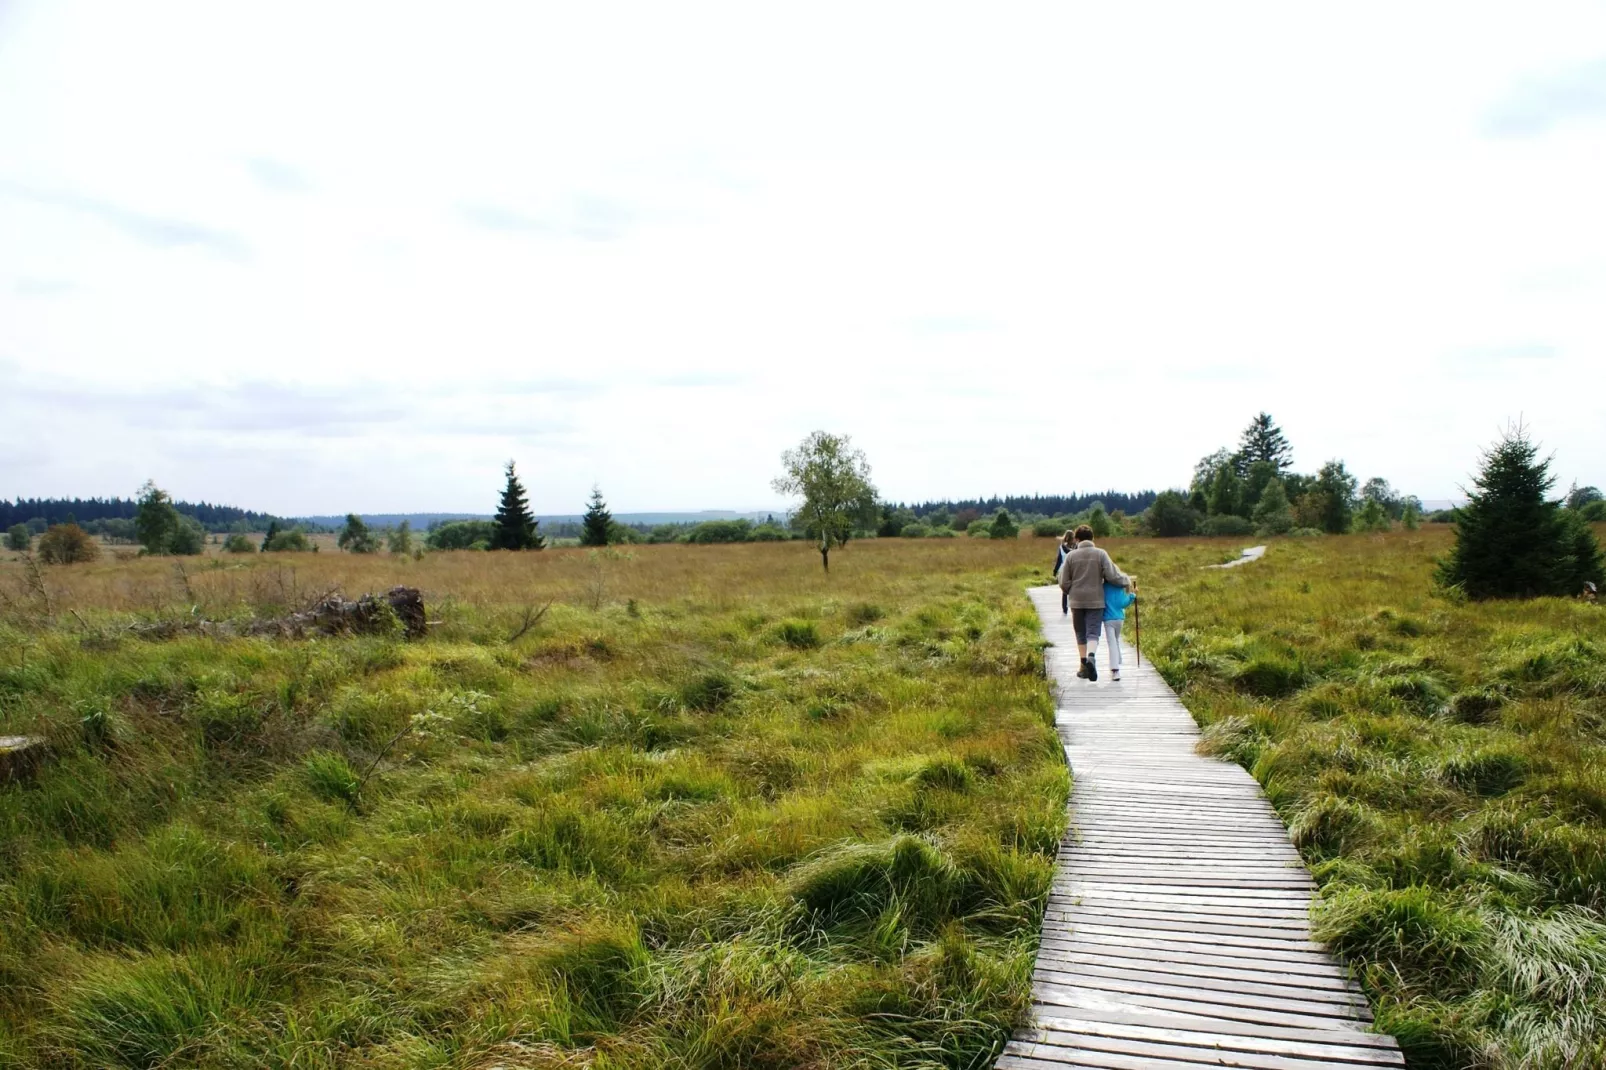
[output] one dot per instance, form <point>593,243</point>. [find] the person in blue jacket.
<point>1116,599</point>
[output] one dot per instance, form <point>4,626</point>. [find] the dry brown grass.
<point>708,575</point>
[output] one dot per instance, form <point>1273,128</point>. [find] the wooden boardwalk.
<point>1176,934</point>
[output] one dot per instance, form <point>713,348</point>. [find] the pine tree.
<point>596,527</point>
<point>156,520</point>
<point>515,526</point>
<point>1510,540</point>
<point>1337,490</point>
<point>1263,440</point>
<point>356,538</point>
<point>267,539</point>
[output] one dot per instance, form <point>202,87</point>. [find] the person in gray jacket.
<point>1082,577</point>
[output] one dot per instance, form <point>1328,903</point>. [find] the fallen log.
<point>331,615</point>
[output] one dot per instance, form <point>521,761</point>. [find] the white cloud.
<point>326,258</point>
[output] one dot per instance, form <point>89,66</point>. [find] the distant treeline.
<point>40,513</point>
<point>1042,505</point>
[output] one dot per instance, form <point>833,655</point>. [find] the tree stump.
<point>21,757</point>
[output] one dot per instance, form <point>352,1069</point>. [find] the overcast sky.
<point>329,257</point>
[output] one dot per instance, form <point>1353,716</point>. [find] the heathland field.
<point>716,809</point>
<point>1442,766</point>
<point>712,809</point>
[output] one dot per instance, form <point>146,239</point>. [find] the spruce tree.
<point>1263,440</point>
<point>1510,540</point>
<point>156,521</point>
<point>515,526</point>
<point>596,527</point>
<point>1337,489</point>
<point>1273,514</point>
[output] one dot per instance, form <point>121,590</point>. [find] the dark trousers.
<point>1087,623</point>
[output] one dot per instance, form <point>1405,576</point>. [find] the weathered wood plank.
<point>1177,930</point>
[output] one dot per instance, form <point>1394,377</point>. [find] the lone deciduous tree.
<point>596,527</point>
<point>833,479</point>
<point>515,525</point>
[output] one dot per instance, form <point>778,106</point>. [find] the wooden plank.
<point>1218,1001</point>
<point>1247,1016</point>
<point>1177,930</point>
<point>1066,959</point>
<point>1232,1050</point>
<point>1100,1009</point>
<point>1313,963</point>
<point>1201,982</point>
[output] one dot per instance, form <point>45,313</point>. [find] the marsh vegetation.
<point>676,806</point>
<point>1441,765</point>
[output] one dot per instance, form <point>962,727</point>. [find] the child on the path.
<point>1116,599</point>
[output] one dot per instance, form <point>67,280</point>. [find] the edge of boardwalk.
<point>1177,930</point>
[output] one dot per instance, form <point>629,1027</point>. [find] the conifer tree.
<point>1263,440</point>
<point>156,521</point>
<point>1336,488</point>
<point>356,538</point>
<point>596,527</point>
<point>1510,540</point>
<point>515,526</point>
<point>1273,514</point>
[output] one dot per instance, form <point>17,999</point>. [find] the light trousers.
<point>1112,641</point>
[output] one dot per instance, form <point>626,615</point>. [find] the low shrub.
<point>67,544</point>
<point>1226,524</point>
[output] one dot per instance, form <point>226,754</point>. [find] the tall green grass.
<point>761,818</point>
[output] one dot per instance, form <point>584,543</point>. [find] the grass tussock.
<point>1440,765</point>
<point>712,809</point>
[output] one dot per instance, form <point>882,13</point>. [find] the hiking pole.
<point>1137,630</point>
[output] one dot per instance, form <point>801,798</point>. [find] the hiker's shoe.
<point>1081,674</point>
<point>1092,668</point>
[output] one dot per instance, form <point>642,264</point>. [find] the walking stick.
<point>1137,630</point>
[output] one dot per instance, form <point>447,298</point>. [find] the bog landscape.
<point>729,536</point>
<point>722,804</point>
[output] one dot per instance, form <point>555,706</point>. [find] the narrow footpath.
<point>1177,931</point>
